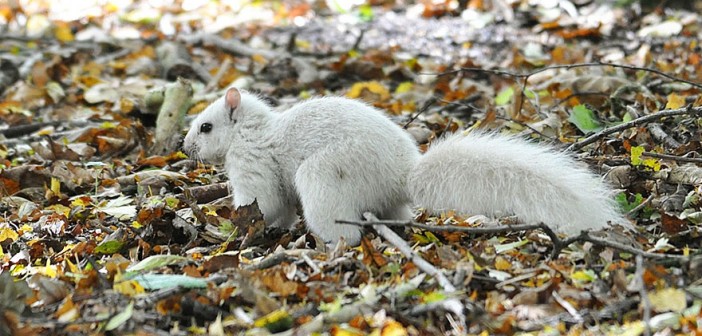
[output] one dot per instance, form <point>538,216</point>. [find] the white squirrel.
<point>339,158</point>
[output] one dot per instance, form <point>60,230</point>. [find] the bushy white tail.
<point>492,174</point>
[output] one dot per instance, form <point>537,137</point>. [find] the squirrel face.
<point>211,132</point>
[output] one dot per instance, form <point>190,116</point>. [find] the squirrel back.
<point>339,158</point>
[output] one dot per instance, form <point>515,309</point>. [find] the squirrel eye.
<point>205,128</point>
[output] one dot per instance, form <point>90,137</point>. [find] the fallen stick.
<point>171,117</point>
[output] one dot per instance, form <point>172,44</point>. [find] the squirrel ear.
<point>232,99</point>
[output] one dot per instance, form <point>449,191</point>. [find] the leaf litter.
<point>108,228</point>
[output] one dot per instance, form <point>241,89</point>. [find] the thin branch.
<point>640,206</point>
<point>586,237</point>
<point>214,81</point>
<point>568,67</point>
<point>600,134</point>
<point>568,307</point>
<point>424,108</point>
<point>406,250</point>
<point>641,282</point>
<point>451,304</point>
<point>446,228</point>
<point>558,243</point>
<point>636,122</point>
<point>672,157</point>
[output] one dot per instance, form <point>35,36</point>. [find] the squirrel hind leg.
<point>322,207</point>
<point>325,200</point>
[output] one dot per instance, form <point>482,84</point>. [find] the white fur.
<point>493,174</point>
<point>339,158</point>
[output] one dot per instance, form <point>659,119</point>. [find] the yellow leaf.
<point>59,208</point>
<point>80,202</point>
<point>653,164</point>
<point>584,276</point>
<point>71,266</point>
<point>636,152</point>
<point>502,264</point>
<point>404,87</point>
<point>668,299</point>
<point>302,44</point>
<point>55,186</point>
<point>63,33</point>
<point>8,233</point>
<point>276,321</point>
<point>26,228</point>
<point>675,101</point>
<point>393,328</point>
<point>136,225</point>
<point>128,287</point>
<point>67,311</point>
<point>259,59</point>
<point>343,332</point>
<point>304,94</point>
<point>49,270</point>
<point>362,89</point>
<point>17,270</point>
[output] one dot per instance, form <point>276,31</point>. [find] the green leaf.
<point>627,117</point>
<point>584,276</point>
<point>584,119</point>
<point>365,12</point>
<point>504,96</point>
<point>157,261</point>
<point>163,281</point>
<point>625,204</point>
<point>109,247</point>
<point>499,248</point>
<point>275,322</point>
<point>433,297</point>
<point>120,318</point>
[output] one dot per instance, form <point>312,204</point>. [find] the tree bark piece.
<point>171,117</point>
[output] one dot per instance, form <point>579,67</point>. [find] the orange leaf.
<point>371,255</point>
<point>672,225</point>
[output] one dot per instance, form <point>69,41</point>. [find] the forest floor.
<point>108,228</point>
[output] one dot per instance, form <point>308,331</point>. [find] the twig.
<point>636,122</point>
<point>213,83</point>
<point>568,67</point>
<point>659,134</point>
<point>568,307</point>
<point>359,39</point>
<point>401,245</point>
<point>446,228</point>
<point>586,237</point>
<point>644,295</point>
<point>451,304</point>
<point>424,108</point>
<point>558,243</point>
<point>672,157</point>
<point>315,269</point>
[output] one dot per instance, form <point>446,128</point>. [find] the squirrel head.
<point>212,132</point>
